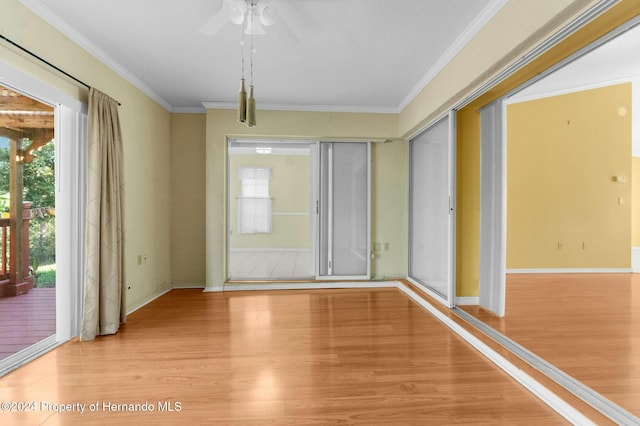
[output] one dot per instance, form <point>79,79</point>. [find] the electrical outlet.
<point>585,245</point>
<point>560,245</point>
<point>386,246</point>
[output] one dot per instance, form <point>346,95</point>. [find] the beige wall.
<point>145,128</point>
<point>188,199</point>
<point>564,207</point>
<point>312,126</point>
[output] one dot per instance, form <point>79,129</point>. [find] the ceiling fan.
<point>253,14</point>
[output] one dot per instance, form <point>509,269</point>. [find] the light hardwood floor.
<point>259,358</point>
<point>588,325</point>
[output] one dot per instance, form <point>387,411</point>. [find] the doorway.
<point>571,223</point>
<point>42,237</point>
<point>297,210</point>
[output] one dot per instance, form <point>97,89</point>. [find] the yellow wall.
<point>389,222</point>
<point>562,155</point>
<point>468,203</point>
<point>468,185</point>
<point>146,133</point>
<point>187,199</point>
<point>289,190</point>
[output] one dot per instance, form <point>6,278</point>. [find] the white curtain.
<point>254,215</point>
<point>104,306</point>
<point>254,205</point>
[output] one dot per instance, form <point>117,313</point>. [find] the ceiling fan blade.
<point>283,32</point>
<point>214,24</point>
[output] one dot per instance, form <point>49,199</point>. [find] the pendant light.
<point>251,102</point>
<point>242,94</point>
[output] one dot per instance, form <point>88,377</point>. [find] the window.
<point>254,204</point>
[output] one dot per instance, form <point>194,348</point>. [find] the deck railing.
<point>4,262</point>
<point>14,284</point>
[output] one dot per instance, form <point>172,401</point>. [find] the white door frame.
<point>330,276</point>
<point>493,208</point>
<point>70,137</point>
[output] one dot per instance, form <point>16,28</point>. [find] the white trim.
<point>17,360</point>
<point>467,300</point>
<point>178,286</point>
<point>135,308</point>
<point>53,19</point>
<point>467,35</point>
<point>269,249</point>
<point>290,214</point>
<point>310,285</point>
<point>532,385</point>
<point>635,259</point>
<point>570,271</point>
<point>189,110</point>
<point>309,108</point>
<point>515,99</point>
<point>493,208</point>
<point>15,79</point>
<point>635,117</point>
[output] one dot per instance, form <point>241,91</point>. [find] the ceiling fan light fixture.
<point>269,14</point>
<point>235,10</point>
<point>251,109</point>
<point>242,103</point>
<point>254,26</point>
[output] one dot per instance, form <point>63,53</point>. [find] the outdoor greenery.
<point>39,189</point>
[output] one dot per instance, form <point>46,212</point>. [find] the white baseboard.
<point>267,249</point>
<point>635,259</point>
<point>132,310</point>
<point>548,397</point>
<point>570,271</point>
<point>188,285</point>
<point>467,300</point>
<point>310,285</point>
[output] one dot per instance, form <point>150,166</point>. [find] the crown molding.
<point>189,110</point>
<point>61,25</point>
<point>307,108</point>
<point>472,29</point>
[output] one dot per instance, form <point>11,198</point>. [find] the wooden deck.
<point>26,319</point>
<point>587,325</point>
<point>340,357</point>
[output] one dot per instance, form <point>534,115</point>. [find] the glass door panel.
<point>431,210</point>
<point>28,222</point>
<point>269,221</point>
<point>344,210</point>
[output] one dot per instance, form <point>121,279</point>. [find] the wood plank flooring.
<point>587,325</point>
<point>26,320</point>
<point>343,357</point>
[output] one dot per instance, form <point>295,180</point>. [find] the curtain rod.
<point>47,62</point>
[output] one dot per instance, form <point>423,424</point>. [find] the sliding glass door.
<point>298,210</point>
<point>344,211</point>
<point>431,214</point>
<point>270,225</point>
